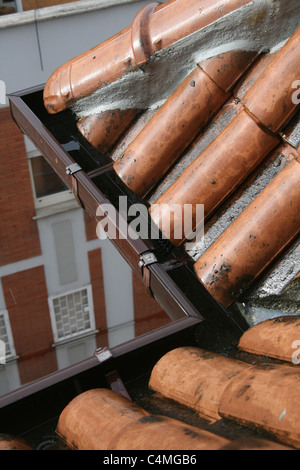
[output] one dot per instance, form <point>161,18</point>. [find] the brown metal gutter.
<point>90,198</point>
<point>117,352</point>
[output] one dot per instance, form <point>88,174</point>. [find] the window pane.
<point>46,181</point>
<point>72,315</point>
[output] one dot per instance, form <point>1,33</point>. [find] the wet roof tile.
<point>254,239</point>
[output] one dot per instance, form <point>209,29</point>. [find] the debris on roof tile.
<point>277,338</point>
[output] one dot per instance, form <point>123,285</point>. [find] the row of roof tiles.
<point>156,27</point>
<point>260,396</point>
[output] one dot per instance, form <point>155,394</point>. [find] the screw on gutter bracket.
<point>72,169</point>
<point>146,259</point>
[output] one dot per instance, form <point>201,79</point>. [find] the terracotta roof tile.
<point>154,28</point>
<point>9,442</point>
<point>265,397</point>
<point>278,338</point>
<point>195,378</point>
<point>170,131</point>
<point>261,396</point>
<point>218,171</point>
<point>101,419</point>
<point>254,239</point>
<point>105,129</point>
<point>270,99</point>
<point>253,75</point>
<point>256,395</point>
<point>104,420</point>
<point>177,123</point>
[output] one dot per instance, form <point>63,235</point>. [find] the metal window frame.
<point>77,335</point>
<point>50,199</point>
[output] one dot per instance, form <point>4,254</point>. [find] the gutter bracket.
<point>112,376</point>
<point>103,354</point>
<point>147,259</point>
<point>72,170</point>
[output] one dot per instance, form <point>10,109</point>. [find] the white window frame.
<point>52,199</point>
<point>12,354</point>
<point>78,334</point>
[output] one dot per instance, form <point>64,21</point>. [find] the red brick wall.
<point>26,296</point>
<point>148,314</point>
<point>96,276</point>
<point>19,238</point>
<point>90,227</point>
